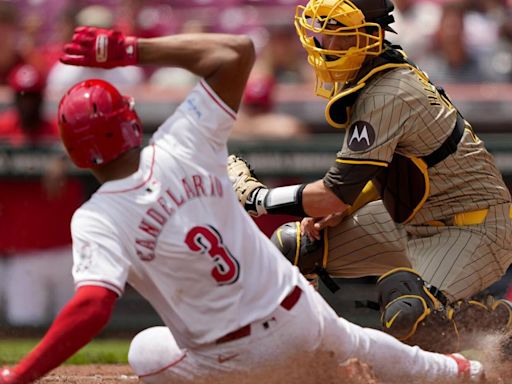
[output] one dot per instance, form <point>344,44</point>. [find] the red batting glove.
<point>98,47</point>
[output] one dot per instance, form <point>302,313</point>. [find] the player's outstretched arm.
<point>79,321</point>
<point>313,199</point>
<point>223,60</point>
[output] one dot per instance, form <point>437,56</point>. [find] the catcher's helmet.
<point>97,124</point>
<point>360,21</point>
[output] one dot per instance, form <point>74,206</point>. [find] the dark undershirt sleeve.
<point>348,180</point>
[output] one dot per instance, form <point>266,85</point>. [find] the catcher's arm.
<point>368,194</point>
<point>79,321</point>
<point>313,199</point>
<point>312,227</point>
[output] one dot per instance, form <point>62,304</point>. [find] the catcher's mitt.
<point>244,182</point>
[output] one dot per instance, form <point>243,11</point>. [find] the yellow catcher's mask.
<point>336,19</point>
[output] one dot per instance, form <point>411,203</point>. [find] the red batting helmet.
<point>97,124</point>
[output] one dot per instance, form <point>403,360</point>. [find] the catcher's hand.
<point>98,47</point>
<point>245,183</point>
<point>312,226</point>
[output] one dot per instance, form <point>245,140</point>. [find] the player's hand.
<point>98,47</point>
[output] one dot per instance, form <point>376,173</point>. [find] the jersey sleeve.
<point>97,253</point>
<point>377,124</point>
<point>374,135</point>
<point>201,119</point>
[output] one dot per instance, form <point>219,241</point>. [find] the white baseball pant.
<point>310,326</point>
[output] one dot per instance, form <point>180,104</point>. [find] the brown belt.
<point>288,303</point>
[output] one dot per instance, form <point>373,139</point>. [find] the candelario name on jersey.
<point>171,199</point>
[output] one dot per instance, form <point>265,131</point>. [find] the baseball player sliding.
<point>166,220</point>
<point>440,230</point>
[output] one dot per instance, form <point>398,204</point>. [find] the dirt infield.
<point>296,372</point>
<point>81,374</point>
<point>353,373</point>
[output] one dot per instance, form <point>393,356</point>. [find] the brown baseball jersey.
<point>400,112</point>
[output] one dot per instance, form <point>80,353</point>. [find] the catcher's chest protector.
<point>403,186</point>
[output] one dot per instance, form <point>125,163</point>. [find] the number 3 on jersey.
<point>206,240</point>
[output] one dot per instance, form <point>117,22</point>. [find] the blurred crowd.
<point>454,41</point>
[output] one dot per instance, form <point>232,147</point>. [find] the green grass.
<point>110,351</point>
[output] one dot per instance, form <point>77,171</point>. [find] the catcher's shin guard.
<point>477,318</point>
<point>411,312</point>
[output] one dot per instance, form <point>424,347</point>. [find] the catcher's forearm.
<point>313,199</point>
<point>277,201</point>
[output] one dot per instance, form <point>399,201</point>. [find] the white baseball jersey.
<point>175,231</point>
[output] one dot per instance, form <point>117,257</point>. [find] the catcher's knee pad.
<point>411,313</point>
<point>300,250</point>
<point>152,350</point>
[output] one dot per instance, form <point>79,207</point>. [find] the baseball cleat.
<point>470,371</point>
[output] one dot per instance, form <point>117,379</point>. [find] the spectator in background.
<point>51,50</point>
<point>487,36</point>
<point>62,76</point>
<point>257,118</point>
<point>35,213</point>
<point>23,124</point>
<point>499,14</point>
<point>285,56</point>
<point>484,18</point>
<point>10,56</point>
<point>416,23</point>
<point>451,60</point>
<point>138,18</point>
<point>502,61</point>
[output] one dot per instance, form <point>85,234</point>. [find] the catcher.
<point>435,218</point>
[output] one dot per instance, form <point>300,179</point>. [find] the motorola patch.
<point>361,136</point>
